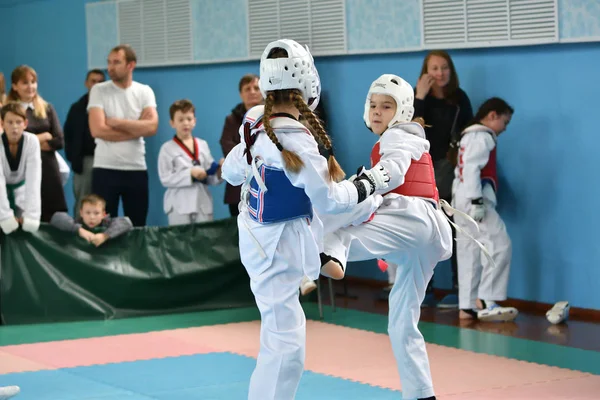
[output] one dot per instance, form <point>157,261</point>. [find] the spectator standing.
<point>122,112</point>
<point>79,143</point>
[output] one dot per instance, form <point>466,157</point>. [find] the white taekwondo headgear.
<point>297,71</point>
<point>400,91</point>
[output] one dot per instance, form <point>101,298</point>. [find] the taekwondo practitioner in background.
<point>285,181</point>
<point>20,174</point>
<point>20,183</point>
<point>480,283</point>
<point>409,229</point>
<point>186,168</point>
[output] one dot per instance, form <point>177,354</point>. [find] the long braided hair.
<point>293,96</point>
<point>336,173</point>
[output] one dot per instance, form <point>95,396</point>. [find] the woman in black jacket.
<point>42,121</point>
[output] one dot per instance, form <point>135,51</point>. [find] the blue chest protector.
<point>281,202</point>
<point>271,197</point>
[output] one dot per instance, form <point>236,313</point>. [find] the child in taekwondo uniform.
<point>186,168</point>
<point>409,229</point>
<point>285,181</point>
<point>20,173</point>
<point>481,283</point>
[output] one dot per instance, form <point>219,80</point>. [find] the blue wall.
<point>6,45</point>
<point>546,158</point>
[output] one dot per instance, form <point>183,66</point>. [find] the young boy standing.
<point>186,168</point>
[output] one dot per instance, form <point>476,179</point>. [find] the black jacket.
<point>230,137</point>
<point>440,114</point>
<point>78,138</point>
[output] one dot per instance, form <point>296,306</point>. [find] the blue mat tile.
<point>174,373</point>
<point>63,385</point>
<point>215,376</point>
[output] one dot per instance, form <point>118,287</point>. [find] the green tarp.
<point>54,276</point>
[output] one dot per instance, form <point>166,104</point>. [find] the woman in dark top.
<point>250,95</point>
<point>42,121</point>
<point>446,109</point>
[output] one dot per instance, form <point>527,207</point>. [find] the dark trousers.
<point>52,192</point>
<point>234,210</point>
<point>129,186</point>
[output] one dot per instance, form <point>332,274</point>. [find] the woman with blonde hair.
<point>43,122</point>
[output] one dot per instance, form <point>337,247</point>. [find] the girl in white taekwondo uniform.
<point>284,177</point>
<point>20,173</point>
<point>409,229</point>
<point>474,193</point>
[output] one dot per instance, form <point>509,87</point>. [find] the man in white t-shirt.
<point>121,113</point>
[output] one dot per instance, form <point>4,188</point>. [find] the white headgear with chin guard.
<point>297,71</point>
<point>400,91</point>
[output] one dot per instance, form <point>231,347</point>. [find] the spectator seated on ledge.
<point>94,224</point>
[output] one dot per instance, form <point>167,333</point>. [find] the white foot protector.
<point>332,270</point>
<point>307,286</point>
<point>6,392</point>
<point>559,313</point>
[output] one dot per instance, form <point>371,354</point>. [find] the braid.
<point>336,173</point>
<point>267,120</point>
<point>318,131</point>
<point>421,121</point>
<point>292,161</point>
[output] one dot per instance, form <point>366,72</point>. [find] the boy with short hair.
<point>20,182</point>
<point>20,172</point>
<point>186,168</point>
<point>94,225</point>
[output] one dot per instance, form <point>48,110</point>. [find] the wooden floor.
<point>528,325</point>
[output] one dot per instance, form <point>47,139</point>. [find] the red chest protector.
<point>419,180</point>
<point>489,173</point>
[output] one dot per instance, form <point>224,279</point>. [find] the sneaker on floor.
<point>306,286</point>
<point>559,313</point>
<point>7,392</point>
<point>496,313</point>
<point>429,300</point>
<point>449,301</point>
